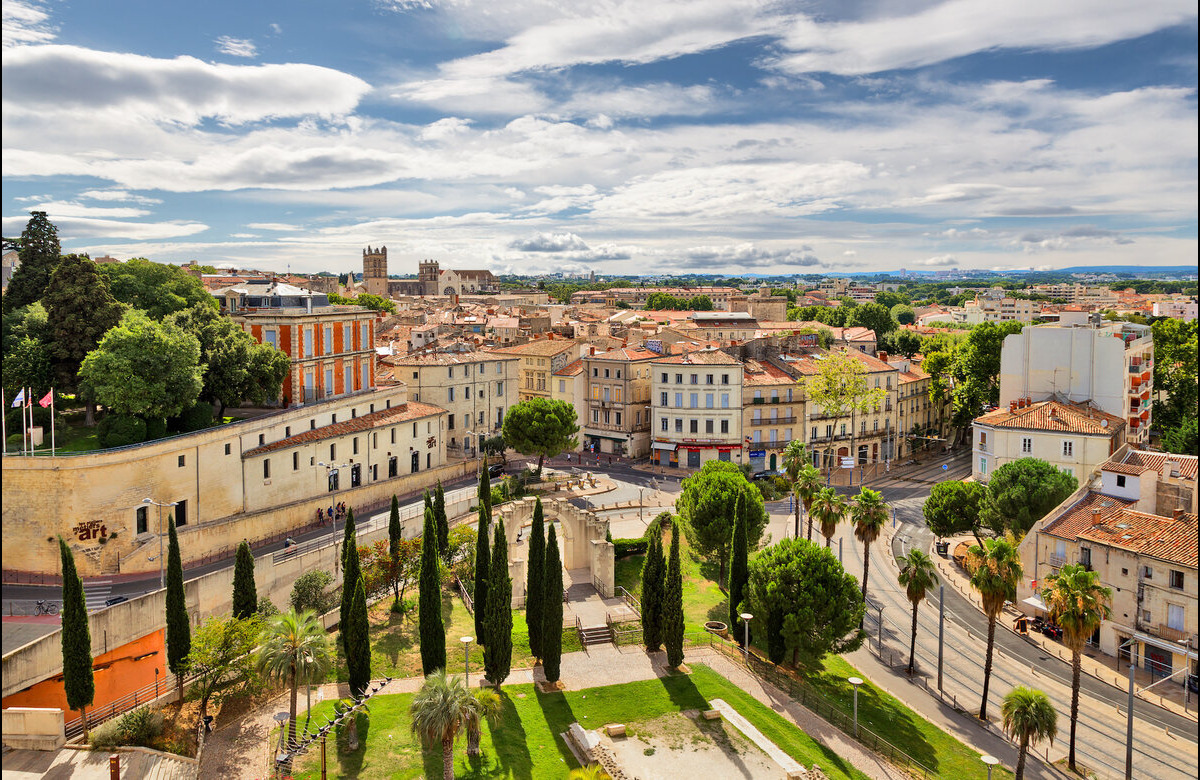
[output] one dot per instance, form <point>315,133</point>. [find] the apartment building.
<point>921,421</point>
<point>696,409</point>
<point>1176,308</point>
<point>540,358</point>
<point>1075,438</point>
<point>569,385</point>
<point>475,389</point>
<point>636,296</point>
<point>1078,293</point>
<point>987,309</point>
<point>1109,364</point>
<point>617,417</point>
<point>1135,524</point>
<point>722,326</point>
<point>772,413</point>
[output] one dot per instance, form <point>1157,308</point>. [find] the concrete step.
<point>595,635</point>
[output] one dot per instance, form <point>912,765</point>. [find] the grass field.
<point>703,599</point>
<point>525,743</point>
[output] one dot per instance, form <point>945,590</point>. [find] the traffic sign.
<point>847,463</point>
<point>945,467</point>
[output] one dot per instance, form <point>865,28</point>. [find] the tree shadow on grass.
<point>559,717</point>
<point>683,692</point>
<point>350,763</point>
<point>510,741</point>
<point>396,637</point>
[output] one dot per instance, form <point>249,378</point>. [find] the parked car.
<point>768,474</point>
<point>496,470</point>
<point>1193,683</point>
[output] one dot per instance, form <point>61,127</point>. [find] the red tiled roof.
<point>1157,460</point>
<point>412,410</point>
<point>1125,468</point>
<point>1177,542</point>
<point>1062,416</point>
<point>571,369</point>
<point>540,347</point>
<point>756,373</point>
<point>1079,517</point>
<point>702,357</point>
<point>625,353</point>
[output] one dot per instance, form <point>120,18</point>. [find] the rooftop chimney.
<point>1095,516</point>
<point>1012,406</point>
<point>883,356</point>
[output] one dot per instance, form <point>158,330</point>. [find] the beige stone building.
<point>1134,523</point>
<point>696,406</point>
<point>540,358</point>
<point>617,416</point>
<point>569,385</point>
<point>772,413</point>
<point>921,421</point>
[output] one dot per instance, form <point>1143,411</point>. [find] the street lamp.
<point>331,472</point>
<point>161,573</point>
<point>1129,707</point>
<point>746,618</point>
<point>466,643</point>
<point>991,761</point>
<point>855,681</point>
<point>1187,665</point>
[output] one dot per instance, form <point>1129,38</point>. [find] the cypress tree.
<point>483,564</point>
<point>652,593</point>
<point>497,653</point>
<point>672,609</point>
<point>76,639</point>
<point>552,610</point>
<point>443,523</point>
<point>429,607</point>
<point>485,490</point>
<point>534,586</point>
<point>351,570</point>
<point>245,595</point>
<point>739,563</point>
<point>357,640</point>
<point>179,628</point>
<point>395,537</point>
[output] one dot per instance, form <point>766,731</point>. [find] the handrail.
<point>629,600</point>
<point>147,694</point>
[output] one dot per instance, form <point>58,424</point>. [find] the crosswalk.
<point>96,592</point>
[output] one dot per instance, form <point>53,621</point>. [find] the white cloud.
<point>549,242</point>
<point>77,228</point>
<point>58,209</point>
<point>26,23</point>
<point>939,261</point>
<point>749,255</point>
<point>276,226</point>
<point>236,47</point>
<point>119,195</point>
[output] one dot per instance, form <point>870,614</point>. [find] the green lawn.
<point>703,599</point>
<point>524,744</point>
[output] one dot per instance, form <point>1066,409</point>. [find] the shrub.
<point>194,418</point>
<point>627,547</point>
<point>106,735</point>
<point>266,608</point>
<point>308,592</point>
<point>120,430</point>
<point>156,428</point>
<point>41,416</point>
<point>140,726</point>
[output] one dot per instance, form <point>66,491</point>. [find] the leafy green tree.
<point>295,648</point>
<point>795,459</point>
<point>76,639</point>
<point>222,655</point>
<point>245,594</point>
<point>39,250</point>
<point>158,289</point>
<point>237,368</point>
<point>429,607</point>
<point>875,316</point>
<point>395,540</point>
<point>26,364</point>
<point>840,389</point>
<point>494,445</point>
<point>535,573</point>
<point>917,576</point>
<point>1182,438</point>
<point>954,507</point>
<point>497,653</point>
<point>902,342</point>
<point>903,314</point>
<point>309,592</point>
<point>829,508</point>
<point>890,299</point>
<point>672,605</point>
<point>663,301</point>
<point>483,559</point>
<point>699,303</point>
<point>351,568</point>
<point>869,514</point>
<point>179,627</point>
<point>975,370</point>
<point>1175,384</point>
<point>552,610</point>
<point>1022,491</point>
<point>739,558</point>
<point>375,303</point>
<point>1028,717</point>
<point>440,709</point>
<point>144,368</point>
<point>1078,603</point>
<point>356,638</point>
<point>707,506</point>
<point>443,523</point>
<point>654,575</point>
<point>542,427</point>
<point>810,606</point>
<point>995,569</point>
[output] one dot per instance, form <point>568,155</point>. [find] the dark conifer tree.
<point>179,627</point>
<point>739,562</point>
<point>351,569</point>
<point>483,570</point>
<point>357,640</point>
<point>653,577</point>
<point>76,639</point>
<point>245,594</point>
<point>673,604</point>
<point>534,586</point>
<point>497,653</point>
<point>395,537</point>
<point>429,607</point>
<point>443,523</point>
<point>552,610</point>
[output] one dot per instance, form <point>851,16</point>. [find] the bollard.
<point>114,767</point>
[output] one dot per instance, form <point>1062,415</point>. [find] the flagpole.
<point>52,422</point>
<point>4,421</point>
<point>24,428</point>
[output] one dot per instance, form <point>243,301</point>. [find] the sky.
<point>534,136</point>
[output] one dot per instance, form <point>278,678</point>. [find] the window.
<point>983,438</point>
<point>708,379</point>
<point>499,389</point>
<point>618,373</point>
<point>308,342</point>
<point>1060,548</point>
<point>295,461</point>
<point>262,437</point>
<point>450,395</point>
<point>562,385</point>
<point>595,372</point>
<point>450,421</point>
<point>354,445</point>
<point>983,466</point>
<point>364,341</point>
<point>678,400</point>
<point>1026,445</point>
<point>347,337</point>
<point>607,419</point>
<point>708,400</point>
<point>227,449</point>
<point>724,426</point>
<point>814,433</point>
<point>606,376</point>
<point>1068,448</point>
<point>694,399</point>
<point>142,523</point>
<point>394,434</point>
<point>618,418</point>
<point>266,468</point>
<point>708,426</point>
<point>678,425</point>
<point>180,514</point>
<point>664,378</point>
<point>393,466</point>
<point>663,424</point>
<point>757,436</point>
<point>679,379</point>
<point>1120,480</point>
<point>327,340</point>
<point>724,400</point>
<point>695,379</point>
<point>662,399</point>
<point>333,452</point>
<point>1175,617</point>
<point>724,379</point>
<point>182,461</point>
<point>693,426</point>
<point>595,416</point>
<point>843,429</point>
<point>1085,556</point>
<point>1147,573</point>
<point>329,381</point>
<point>356,475</point>
<point>1176,579</point>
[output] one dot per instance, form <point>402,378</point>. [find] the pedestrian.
<point>330,512</point>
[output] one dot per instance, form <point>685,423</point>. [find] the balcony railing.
<point>1167,632</point>
<point>757,401</point>
<point>771,420</point>
<point>1058,561</point>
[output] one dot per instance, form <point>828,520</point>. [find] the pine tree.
<point>395,537</point>
<point>497,653</point>
<point>39,253</point>
<point>672,609</point>
<point>76,639</point>
<point>483,563</point>
<point>534,586</point>
<point>357,641</point>
<point>179,628</point>
<point>351,569</point>
<point>653,572</point>
<point>429,607</point>
<point>552,610</point>
<point>739,561</point>
<point>245,594</point>
<point>443,523</point>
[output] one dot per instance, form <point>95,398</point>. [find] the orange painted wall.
<point>116,674</point>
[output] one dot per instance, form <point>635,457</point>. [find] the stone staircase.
<point>595,635</point>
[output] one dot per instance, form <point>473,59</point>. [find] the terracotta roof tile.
<point>413,410</point>
<point>1062,416</point>
<point>702,357</point>
<point>1079,516</point>
<point>1177,542</point>
<point>539,347</point>
<point>1156,461</point>
<point>571,369</point>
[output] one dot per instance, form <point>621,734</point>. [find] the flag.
<point>20,399</point>
<point>47,400</point>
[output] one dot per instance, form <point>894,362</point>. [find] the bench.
<point>615,729</point>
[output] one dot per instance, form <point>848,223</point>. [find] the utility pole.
<point>941,630</point>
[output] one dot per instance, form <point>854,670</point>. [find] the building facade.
<point>617,417</point>
<point>772,413</point>
<point>696,409</point>
<point>569,385</point>
<point>1075,438</point>
<point>540,358</point>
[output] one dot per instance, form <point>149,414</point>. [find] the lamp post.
<point>941,629</point>
<point>641,506</point>
<point>466,643</point>
<point>991,761</point>
<point>855,681</point>
<point>331,472</point>
<point>746,618</point>
<point>1129,707</point>
<point>161,572</point>
<point>1187,663</point>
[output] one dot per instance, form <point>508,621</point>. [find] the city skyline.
<point>530,137</point>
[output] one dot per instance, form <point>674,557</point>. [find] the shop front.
<point>664,454</point>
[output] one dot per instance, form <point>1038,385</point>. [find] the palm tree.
<point>485,705</point>
<point>1028,716</point>
<point>295,646</point>
<point>1077,602</point>
<point>829,507</point>
<point>593,772</point>
<point>808,483</point>
<point>869,513</point>
<point>795,456</point>
<point>917,576</point>
<point>439,709</point>
<point>995,570</point>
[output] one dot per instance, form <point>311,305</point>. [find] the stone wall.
<point>583,537</point>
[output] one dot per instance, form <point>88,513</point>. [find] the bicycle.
<point>46,608</point>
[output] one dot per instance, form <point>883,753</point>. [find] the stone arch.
<point>449,291</point>
<point>582,535</point>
